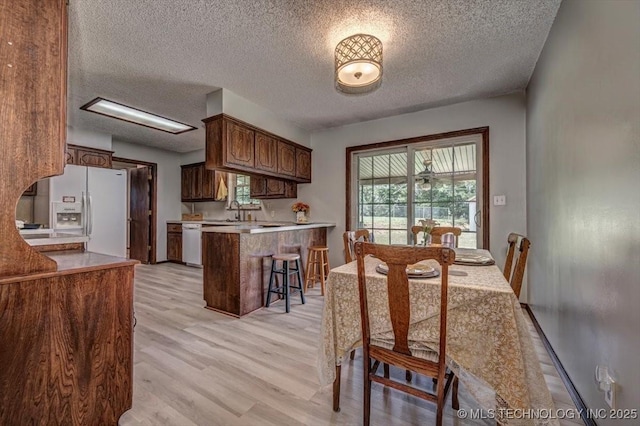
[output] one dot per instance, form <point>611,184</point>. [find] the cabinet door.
<point>264,188</point>
<point>275,187</point>
<point>303,164</point>
<point>239,145</point>
<point>196,182</point>
<point>93,158</point>
<point>186,183</point>
<point>257,187</point>
<point>209,184</point>
<point>286,159</point>
<point>266,153</point>
<point>174,246</point>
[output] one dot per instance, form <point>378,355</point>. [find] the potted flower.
<point>427,227</point>
<point>301,210</point>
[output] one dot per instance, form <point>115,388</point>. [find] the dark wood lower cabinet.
<point>174,243</point>
<point>66,355</point>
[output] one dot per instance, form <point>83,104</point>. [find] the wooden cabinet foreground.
<point>33,96</point>
<point>236,146</point>
<point>67,344</point>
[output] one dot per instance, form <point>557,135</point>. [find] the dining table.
<point>489,346</point>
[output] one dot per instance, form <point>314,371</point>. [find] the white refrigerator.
<point>103,194</point>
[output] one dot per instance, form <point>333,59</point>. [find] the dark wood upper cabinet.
<point>303,164</point>
<point>266,153</point>
<point>266,188</point>
<point>86,156</point>
<point>196,182</point>
<point>200,184</point>
<point>186,184</point>
<point>93,158</point>
<point>257,187</point>
<point>239,147</point>
<point>70,155</point>
<point>208,183</point>
<point>286,159</point>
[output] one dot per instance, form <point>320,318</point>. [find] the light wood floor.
<point>193,366</point>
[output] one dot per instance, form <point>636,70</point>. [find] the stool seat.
<point>319,248</point>
<point>286,271</point>
<point>286,256</point>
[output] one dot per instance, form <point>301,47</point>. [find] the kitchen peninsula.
<point>237,262</point>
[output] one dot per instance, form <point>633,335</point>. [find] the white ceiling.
<point>164,56</point>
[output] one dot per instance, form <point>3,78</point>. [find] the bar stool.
<point>317,267</point>
<point>286,271</point>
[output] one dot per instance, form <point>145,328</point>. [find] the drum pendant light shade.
<point>358,64</point>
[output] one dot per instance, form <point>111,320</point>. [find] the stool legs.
<point>317,268</point>
<point>287,299</point>
<point>300,282</point>
<point>272,276</point>
<point>285,289</point>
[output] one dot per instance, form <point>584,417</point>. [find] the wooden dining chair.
<point>350,238</point>
<point>516,275</point>
<point>436,233</point>
<point>399,352</point>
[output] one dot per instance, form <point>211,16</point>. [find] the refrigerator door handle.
<point>84,213</point>
<point>89,215</point>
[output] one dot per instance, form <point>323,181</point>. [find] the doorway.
<point>141,209</point>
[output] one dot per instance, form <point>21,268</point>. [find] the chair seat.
<point>417,349</point>
<point>319,248</point>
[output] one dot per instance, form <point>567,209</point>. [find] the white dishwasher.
<point>192,244</point>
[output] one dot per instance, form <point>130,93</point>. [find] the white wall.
<point>89,138</point>
<point>505,117</point>
<point>583,155</point>
<point>169,204</point>
<point>227,102</point>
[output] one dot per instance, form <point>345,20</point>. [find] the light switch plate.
<point>499,200</point>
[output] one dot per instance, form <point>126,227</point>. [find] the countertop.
<point>46,237</point>
<point>72,263</point>
<point>251,227</point>
<point>258,228</point>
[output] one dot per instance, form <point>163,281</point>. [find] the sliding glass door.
<point>393,190</point>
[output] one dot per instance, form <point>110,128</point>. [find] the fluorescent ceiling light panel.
<point>122,112</point>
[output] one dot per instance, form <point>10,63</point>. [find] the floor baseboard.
<point>573,392</point>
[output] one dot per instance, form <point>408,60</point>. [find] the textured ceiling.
<point>164,56</point>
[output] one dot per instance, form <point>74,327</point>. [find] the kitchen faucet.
<point>237,204</point>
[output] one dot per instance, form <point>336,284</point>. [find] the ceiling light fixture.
<point>133,115</point>
<point>358,61</point>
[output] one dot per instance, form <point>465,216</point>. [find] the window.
<point>241,190</point>
<point>392,188</point>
